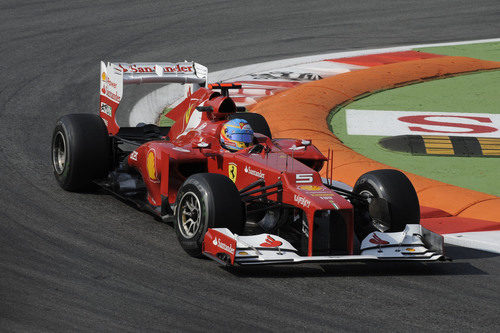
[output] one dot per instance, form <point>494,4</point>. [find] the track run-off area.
<point>89,262</point>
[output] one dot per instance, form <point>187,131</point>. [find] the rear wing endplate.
<point>114,75</point>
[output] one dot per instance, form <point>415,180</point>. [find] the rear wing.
<point>114,75</point>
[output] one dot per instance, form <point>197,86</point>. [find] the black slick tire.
<point>80,151</point>
<point>206,200</point>
<point>397,190</point>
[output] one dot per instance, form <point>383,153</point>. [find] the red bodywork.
<point>193,146</point>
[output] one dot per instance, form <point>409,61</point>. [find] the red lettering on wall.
<point>422,120</point>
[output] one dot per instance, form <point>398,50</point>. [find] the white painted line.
<point>480,240</point>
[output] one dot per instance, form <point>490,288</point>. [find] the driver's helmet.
<point>236,134</point>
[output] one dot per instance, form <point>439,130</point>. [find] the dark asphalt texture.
<point>89,262</point>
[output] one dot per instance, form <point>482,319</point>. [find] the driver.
<point>236,134</point>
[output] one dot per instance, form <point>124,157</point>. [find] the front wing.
<point>415,243</point>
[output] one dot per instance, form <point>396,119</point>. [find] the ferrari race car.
<point>265,203</point>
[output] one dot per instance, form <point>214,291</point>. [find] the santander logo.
<point>174,68</point>
<point>229,248</point>
<point>377,240</point>
<point>255,173</point>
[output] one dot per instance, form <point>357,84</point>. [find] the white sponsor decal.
<point>301,200</point>
<point>390,123</point>
<point>229,248</point>
<point>255,173</point>
<point>111,82</point>
<point>133,155</point>
<point>151,68</point>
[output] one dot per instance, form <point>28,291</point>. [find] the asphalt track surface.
<point>89,262</point>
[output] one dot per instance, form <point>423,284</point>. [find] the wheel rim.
<point>367,195</point>
<point>59,153</point>
<point>380,225</point>
<point>189,218</point>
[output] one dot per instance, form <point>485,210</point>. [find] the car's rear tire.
<point>80,151</point>
<point>206,200</point>
<point>256,121</point>
<point>397,190</point>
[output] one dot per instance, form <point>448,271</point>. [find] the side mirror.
<point>200,145</point>
<point>205,108</point>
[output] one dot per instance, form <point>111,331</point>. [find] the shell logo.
<point>151,165</point>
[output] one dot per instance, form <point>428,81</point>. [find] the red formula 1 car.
<point>265,203</point>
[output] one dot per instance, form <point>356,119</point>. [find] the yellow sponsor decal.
<point>310,187</point>
<point>409,249</point>
<point>103,76</point>
<point>232,171</point>
<point>151,165</point>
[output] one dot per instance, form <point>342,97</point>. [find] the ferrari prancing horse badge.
<point>232,171</point>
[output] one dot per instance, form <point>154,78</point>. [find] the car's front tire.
<point>206,200</point>
<point>396,189</point>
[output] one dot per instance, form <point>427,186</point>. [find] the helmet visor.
<point>241,137</point>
